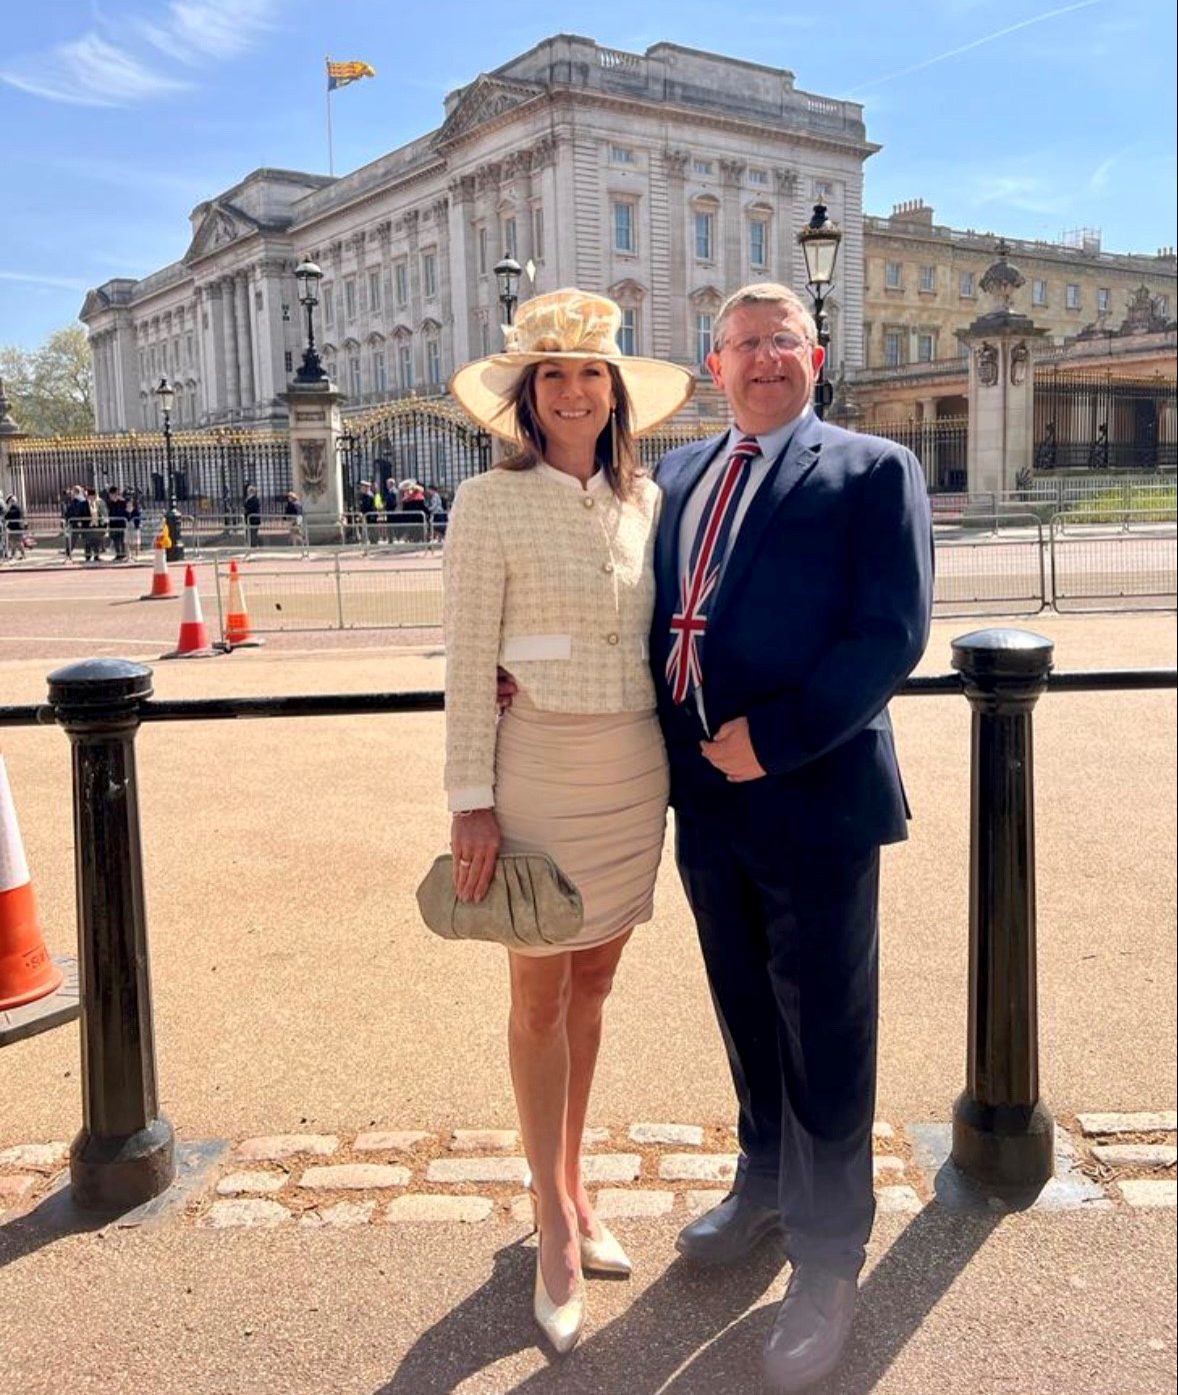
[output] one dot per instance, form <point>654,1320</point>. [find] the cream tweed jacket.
<point>556,583</point>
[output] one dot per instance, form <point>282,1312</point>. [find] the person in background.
<point>251,507</point>
<point>293,512</point>
<point>135,519</point>
<point>94,521</point>
<point>75,515</point>
<point>15,532</point>
<point>119,513</point>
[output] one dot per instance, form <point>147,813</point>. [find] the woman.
<point>548,573</point>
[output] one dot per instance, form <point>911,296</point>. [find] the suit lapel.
<point>789,470</point>
<point>676,494</point>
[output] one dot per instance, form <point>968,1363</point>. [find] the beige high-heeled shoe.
<point>561,1323</point>
<point>601,1256</point>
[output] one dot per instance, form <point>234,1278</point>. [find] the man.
<point>94,521</point>
<point>794,571</point>
<point>119,512</point>
<point>251,507</point>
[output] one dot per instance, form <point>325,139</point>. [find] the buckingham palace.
<point>665,179</point>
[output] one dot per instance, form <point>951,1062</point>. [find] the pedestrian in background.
<point>119,514</point>
<point>251,507</point>
<point>293,512</point>
<point>94,522</point>
<point>15,531</point>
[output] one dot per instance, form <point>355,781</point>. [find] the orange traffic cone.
<point>194,634</point>
<point>237,621</point>
<point>161,582</point>
<point>26,970</point>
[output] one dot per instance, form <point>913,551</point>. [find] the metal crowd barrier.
<point>124,1155</point>
<point>989,559</point>
<point>327,594</point>
<point>1115,566</point>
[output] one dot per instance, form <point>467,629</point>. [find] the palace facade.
<point>665,179</point>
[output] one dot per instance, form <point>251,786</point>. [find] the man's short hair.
<point>759,293</point>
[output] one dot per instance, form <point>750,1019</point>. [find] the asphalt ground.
<point>295,990</point>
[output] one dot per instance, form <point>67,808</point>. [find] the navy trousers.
<point>791,943</point>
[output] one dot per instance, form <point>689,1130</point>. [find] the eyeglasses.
<point>783,342</point>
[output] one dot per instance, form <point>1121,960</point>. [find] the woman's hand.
<point>474,841</point>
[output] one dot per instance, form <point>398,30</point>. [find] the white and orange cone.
<point>238,634</point>
<point>194,633</point>
<point>161,582</point>
<point>26,970</point>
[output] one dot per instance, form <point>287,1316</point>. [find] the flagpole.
<point>330,142</point>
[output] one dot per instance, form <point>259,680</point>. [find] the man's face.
<point>766,386</point>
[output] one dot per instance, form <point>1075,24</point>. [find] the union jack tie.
<point>698,586</point>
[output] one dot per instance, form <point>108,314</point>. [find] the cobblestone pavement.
<point>1103,1161</point>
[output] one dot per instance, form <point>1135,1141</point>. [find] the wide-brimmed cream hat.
<point>568,324</point>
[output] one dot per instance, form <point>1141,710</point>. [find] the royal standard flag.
<point>340,74</point>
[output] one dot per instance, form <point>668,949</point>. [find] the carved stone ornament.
<point>313,467</point>
<point>1002,280</point>
<point>987,362</point>
<point>677,162</point>
<point>732,171</point>
<point>1020,357</point>
<point>787,180</point>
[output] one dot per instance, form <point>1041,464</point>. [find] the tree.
<point>50,389</point>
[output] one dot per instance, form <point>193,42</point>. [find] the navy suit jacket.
<point>823,610</point>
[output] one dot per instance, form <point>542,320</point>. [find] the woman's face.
<point>573,402</point>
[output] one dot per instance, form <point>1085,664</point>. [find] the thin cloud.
<point>974,43</point>
<point>1024,192</point>
<point>121,65</point>
<point>61,283</point>
<point>1098,182</point>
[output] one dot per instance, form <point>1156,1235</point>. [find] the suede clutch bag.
<point>529,904</point>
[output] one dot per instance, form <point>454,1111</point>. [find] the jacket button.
<point>611,639</point>
<point>587,502</point>
<point>607,568</point>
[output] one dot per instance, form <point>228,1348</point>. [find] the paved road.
<point>296,991</point>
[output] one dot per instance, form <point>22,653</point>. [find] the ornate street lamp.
<point>820,240</point>
<point>308,275</point>
<point>507,273</point>
<point>167,400</point>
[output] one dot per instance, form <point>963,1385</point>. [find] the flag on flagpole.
<point>340,74</point>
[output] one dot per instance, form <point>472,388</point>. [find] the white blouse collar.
<point>593,485</point>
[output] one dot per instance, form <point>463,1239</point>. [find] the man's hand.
<point>732,752</point>
<point>474,842</point>
<point>505,689</point>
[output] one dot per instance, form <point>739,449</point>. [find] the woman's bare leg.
<point>538,1050</point>
<point>592,976</point>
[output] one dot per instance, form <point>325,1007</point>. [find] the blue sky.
<point>1031,119</point>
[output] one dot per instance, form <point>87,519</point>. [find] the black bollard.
<point>124,1154</point>
<point>1003,1134</point>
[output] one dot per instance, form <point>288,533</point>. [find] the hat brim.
<point>657,390</point>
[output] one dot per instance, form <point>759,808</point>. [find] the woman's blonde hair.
<point>613,451</point>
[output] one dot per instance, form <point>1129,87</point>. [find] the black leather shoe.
<point>730,1232</point>
<point>810,1330</point>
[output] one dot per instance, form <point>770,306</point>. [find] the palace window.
<point>1072,296</point>
<point>822,190</point>
<point>1161,306</point>
<point>703,337</point>
<point>893,348</point>
<point>433,362</point>
<point>355,380</point>
<point>928,279</point>
<point>758,243</point>
<point>374,291</point>
<point>1103,300</point>
<point>401,281</point>
<point>623,221</point>
<point>350,298</point>
<point>705,236</point>
<point>429,274</point>
<point>405,366</point>
<point>628,332</point>
<point>758,176</point>
<point>965,284</point>
<point>538,233</point>
<point>1038,292</point>
<point>621,155</point>
<point>380,377</point>
<point>510,240</point>
<point>893,276</point>
<point>482,243</point>
<point>926,348</point>
<point>703,167</point>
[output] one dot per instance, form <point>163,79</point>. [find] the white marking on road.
<point>83,639</point>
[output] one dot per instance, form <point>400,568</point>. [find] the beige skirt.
<point>591,792</point>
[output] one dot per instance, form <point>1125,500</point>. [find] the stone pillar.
<point>1001,346</point>
<point>315,429</point>
<point>461,255</point>
<point>232,399</point>
<point>675,167</point>
<point>9,433</point>
<point>731,232</point>
<point>245,340</point>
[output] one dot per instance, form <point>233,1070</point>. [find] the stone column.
<point>232,399</point>
<point>461,255</point>
<point>315,428</point>
<point>675,166</point>
<point>731,229</point>
<point>245,339</point>
<point>1002,345</point>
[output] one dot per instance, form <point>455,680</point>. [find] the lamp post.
<point>507,273</point>
<point>820,240</point>
<point>311,372</point>
<point>167,400</point>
